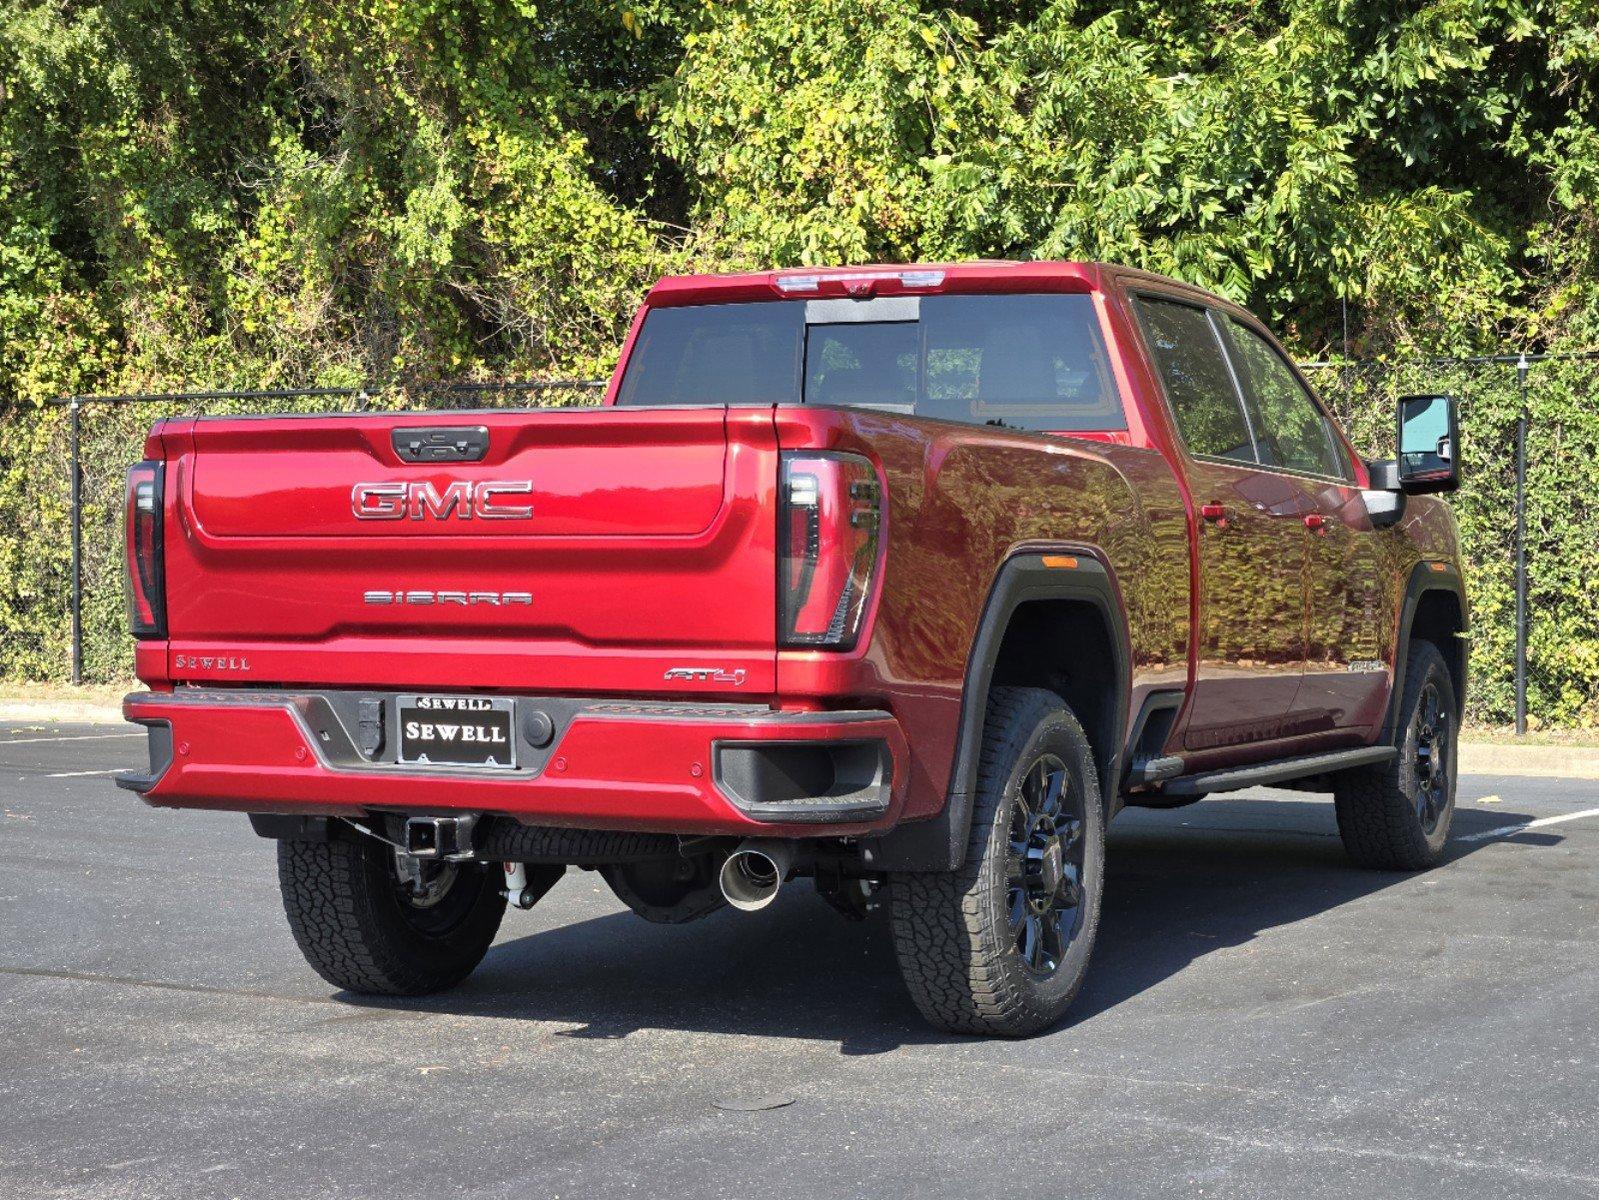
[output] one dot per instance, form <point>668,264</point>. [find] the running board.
<point>1154,770</point>
<point>1234,778</point>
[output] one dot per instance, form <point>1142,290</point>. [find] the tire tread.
<point>1376,819</point>
<point>354,944</point>
<point>959,978</point>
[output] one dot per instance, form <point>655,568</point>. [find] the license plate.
<point>458,731</point>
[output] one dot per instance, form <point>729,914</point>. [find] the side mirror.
<point>1429,445</point>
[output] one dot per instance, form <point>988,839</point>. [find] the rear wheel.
<point>368,920</point>
<point>1001,945</point>
<point>1396,816</point>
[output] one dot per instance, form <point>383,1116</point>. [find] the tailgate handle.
<point>431,445</point>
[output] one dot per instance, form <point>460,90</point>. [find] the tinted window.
<point>716,354</point>
<point>1289,428</point>
<point>1026,362</point>
<point>1198,384</point>
<point>873,362</point>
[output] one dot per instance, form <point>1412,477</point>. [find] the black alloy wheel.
<point>1395,815</point>
<point>1001,944</point>
<point>1045,868</point>
<point>1432,759</point>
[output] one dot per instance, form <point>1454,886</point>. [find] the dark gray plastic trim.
<point>939,844</point>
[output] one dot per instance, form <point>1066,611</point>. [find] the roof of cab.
<point>887,279</point>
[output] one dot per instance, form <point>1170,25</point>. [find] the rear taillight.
<point>147,607</point>
<point>832,512</point>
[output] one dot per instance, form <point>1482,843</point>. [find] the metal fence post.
<point>76,500</point>
<point>1521,550</point>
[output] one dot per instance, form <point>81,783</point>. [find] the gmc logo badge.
<point>463,499</point>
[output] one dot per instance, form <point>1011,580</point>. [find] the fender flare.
<point>1426,576</point>
<point>939,843</point>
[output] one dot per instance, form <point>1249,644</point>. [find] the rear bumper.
<point>663,767</point>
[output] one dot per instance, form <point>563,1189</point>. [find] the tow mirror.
<point>1428,460</point>
<point>1429,449</point>
<point>1429,445</point>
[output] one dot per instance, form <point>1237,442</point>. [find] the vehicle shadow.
<point>1180,884</point>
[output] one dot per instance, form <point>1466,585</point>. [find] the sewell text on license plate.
<point>458,731</point>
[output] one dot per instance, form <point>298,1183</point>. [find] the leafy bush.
<point>1562,507</point>
<point>270,193</point>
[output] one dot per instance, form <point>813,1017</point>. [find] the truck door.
<point>1251,537</point>
<point>1345,680</point>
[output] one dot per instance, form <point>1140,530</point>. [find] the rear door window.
<point>1199,386</point>
<point>1020,361</point>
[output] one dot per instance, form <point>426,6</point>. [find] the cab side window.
<point>1290,430</point>
<point>1198,384</point>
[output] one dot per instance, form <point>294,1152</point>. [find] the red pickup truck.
<point>902,579</point>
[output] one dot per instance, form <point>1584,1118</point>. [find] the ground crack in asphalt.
<point>135,981</point>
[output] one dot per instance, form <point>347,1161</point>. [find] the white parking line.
<point>1508,830</point>
<point>75,737</point>
<point>76,774</point>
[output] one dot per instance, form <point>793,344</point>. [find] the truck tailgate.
<point>585,550</point>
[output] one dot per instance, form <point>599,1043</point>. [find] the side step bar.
<point>1154,770</point>
<point>1256,774</point>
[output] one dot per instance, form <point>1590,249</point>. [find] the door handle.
<point>1316,523</point>
<point>1216,513</point>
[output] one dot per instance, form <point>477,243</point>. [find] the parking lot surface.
<point>1262,1020</point>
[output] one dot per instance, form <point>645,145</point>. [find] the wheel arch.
<point>1051,626</point>
<point>1434,609</point>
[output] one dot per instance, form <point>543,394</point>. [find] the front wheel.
<point>1396,816</point>
<point>1001,945</point>
<point>369,921</point>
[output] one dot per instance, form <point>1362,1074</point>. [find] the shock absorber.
<point>516,890</point>
<point>524,888</point>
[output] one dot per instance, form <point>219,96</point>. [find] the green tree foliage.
<point>1290,156</point>
<point>265,193</point>
<point>278,192</point>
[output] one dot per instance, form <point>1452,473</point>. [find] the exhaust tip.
<point>752,874</point>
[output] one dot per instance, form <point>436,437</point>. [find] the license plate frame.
<point>451,718</point>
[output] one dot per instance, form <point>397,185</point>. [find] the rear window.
<point>1019,361</point>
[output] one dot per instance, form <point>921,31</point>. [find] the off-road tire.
<point>352,923</point>
<point>956,947</point>
<point>1379,817</point>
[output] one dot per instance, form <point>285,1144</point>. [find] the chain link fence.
<point>1547,404</point>
<point>1527,509</point>
<point>62,581</point>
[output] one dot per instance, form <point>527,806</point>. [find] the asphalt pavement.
<point>1262,1020</point>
